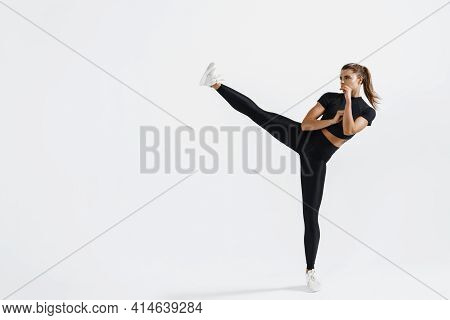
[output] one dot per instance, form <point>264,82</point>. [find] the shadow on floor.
<point>220,294</point>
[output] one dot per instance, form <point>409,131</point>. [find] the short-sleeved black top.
<point>334,101</point>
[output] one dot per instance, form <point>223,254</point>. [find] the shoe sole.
<point>313,290</point>
<point>210,67</point>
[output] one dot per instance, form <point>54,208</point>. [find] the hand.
<point>347,91</point>
<point>338,116</point>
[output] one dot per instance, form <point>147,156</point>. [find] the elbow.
<point>349,132</point>
<point>304,126</point>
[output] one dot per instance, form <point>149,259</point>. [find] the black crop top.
<point>334,101</point>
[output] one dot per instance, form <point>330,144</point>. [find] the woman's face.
<point>351,79</point>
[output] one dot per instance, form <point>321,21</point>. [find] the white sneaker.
<point>209,77</point>
<point>311,281</point>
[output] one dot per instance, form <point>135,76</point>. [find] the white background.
<point>70,156</point>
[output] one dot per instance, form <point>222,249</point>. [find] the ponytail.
<point>368,88</point>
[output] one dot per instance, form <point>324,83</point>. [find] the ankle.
<point>216,86</point>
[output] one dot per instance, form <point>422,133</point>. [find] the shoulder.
<point>334,94</point>
<point>369,109</point>
<point>368,113</point>
<point>329,96</point>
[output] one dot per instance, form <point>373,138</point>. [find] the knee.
<point>312,226</point>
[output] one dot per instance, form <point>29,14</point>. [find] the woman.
<point>343,115</point>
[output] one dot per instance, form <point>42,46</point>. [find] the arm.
<point>349,125</point>
<point>361,122</point>
<point>347,121</point>
<point>352,126</point>
<point>310,121</point>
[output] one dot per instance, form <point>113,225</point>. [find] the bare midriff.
<point>336,141</point>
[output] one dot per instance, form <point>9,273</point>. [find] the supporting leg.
<point>312,190</point>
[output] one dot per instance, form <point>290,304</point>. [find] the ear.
<point>361,78</point>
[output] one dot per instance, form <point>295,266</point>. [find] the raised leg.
<point>282,128</point>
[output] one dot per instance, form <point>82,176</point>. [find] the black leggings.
<point>314,149</point>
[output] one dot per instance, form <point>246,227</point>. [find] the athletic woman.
<point>343,115</point>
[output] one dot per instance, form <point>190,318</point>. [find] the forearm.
<point>308,125</point>
<point>347,120</point>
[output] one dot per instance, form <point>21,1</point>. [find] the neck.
<point>356,94</point>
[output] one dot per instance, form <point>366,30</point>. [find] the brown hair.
<point>364,73</point>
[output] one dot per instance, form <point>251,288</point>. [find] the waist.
<point>336,141</point>
<point>318,147</point>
